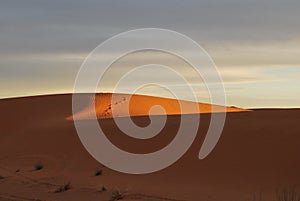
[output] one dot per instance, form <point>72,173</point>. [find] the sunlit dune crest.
<point>107,105</point>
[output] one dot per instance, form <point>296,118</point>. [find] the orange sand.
<point>140,105</point>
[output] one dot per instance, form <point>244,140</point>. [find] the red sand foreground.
<point>258,153</point>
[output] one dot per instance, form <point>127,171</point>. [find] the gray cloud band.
<point>93,70</point>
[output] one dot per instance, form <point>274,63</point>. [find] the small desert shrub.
<point>1,177</point>
<point>288,195</point>
<point>98,172</point>
<point>38,166</point>
<point>63,188</point>
<point>117,195</point>
<point>102,189</point>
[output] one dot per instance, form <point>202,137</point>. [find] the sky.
<point>255,44</point>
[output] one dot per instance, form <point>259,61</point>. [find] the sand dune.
<point>105,105</point>
<point>257,154</point>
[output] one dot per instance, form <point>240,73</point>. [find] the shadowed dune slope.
<point>121,105</point>
<point>258,153</point>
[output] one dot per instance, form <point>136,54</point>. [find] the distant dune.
<point>140,105</point>
<point>257,154</point>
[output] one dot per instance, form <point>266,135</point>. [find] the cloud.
<point>43,43</point>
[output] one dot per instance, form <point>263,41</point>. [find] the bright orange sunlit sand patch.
<point>141,105</point>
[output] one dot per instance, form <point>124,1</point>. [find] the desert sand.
<point>105,105</point>
<point>258,153</point>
